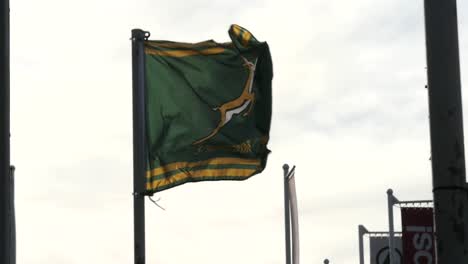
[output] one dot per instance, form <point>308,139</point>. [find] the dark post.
<point>362,231</point>
<point>6,243</point>
<point>139,160</point>
<point>391,229</point>
<point>287,214</point>
<point>446,124</point>
<point>12,218</point>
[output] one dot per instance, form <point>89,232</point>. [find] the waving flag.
<point>208,109</point>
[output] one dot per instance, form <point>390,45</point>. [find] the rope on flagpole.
<point>156,202</point>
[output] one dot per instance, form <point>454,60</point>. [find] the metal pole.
<point>390,202</point>
<point>5,245</point>
<point>12,227</point>
<point>362,231</point>
<point>287,215</point>
<point>446,126</point>
<point>139,136</point>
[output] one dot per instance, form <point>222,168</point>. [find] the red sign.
<point>418,235</point>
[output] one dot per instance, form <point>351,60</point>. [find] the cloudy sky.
<point>350,111</point>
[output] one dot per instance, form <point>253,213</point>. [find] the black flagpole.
<point>446,124</point>
<point>6,244</point>
<point>12,218</point>
<point>139,138</point>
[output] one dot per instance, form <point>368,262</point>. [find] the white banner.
<point>294,219</point>
<point>380,253</point>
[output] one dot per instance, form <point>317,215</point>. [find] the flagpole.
<point>139,136</point>
<point>5,187</point>
<point>362,231</point>
<point>446,126</point>
<point>391,229</point>
<point>12,218</point>
<point>287,215</point>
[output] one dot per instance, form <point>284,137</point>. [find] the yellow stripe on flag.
<point>183,53</point>
<point>236,30</point>
<point>161,183</point>
<point>180,44</point>
<point>246,38</point>
<point>215,161</point>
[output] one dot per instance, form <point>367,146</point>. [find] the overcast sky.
<point>349,110</point>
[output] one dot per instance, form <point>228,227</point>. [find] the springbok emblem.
<point>236,106</point>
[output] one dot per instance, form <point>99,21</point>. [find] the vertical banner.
<point>418,235</point>
<point>294,218</point>
<point>380,253</point>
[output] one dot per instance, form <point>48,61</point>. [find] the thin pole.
<point>391,232</point>
<point>139,161</point>
<point>287,215</point>
<point>362,231</point>
<point>446,126</point>
<point>12,226</point>
<point>6,244</point>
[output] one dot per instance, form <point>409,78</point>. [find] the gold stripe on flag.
<point>186,165</point>
<point>212,173</point>
<point>184,53</point>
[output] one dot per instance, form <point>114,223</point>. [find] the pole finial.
<point>362,230</point>
<point>326,261</point>
<point>139,34</point>
<point>390,192</point>
<point>286,168</point>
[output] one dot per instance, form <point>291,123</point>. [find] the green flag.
<point>208,109</point>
